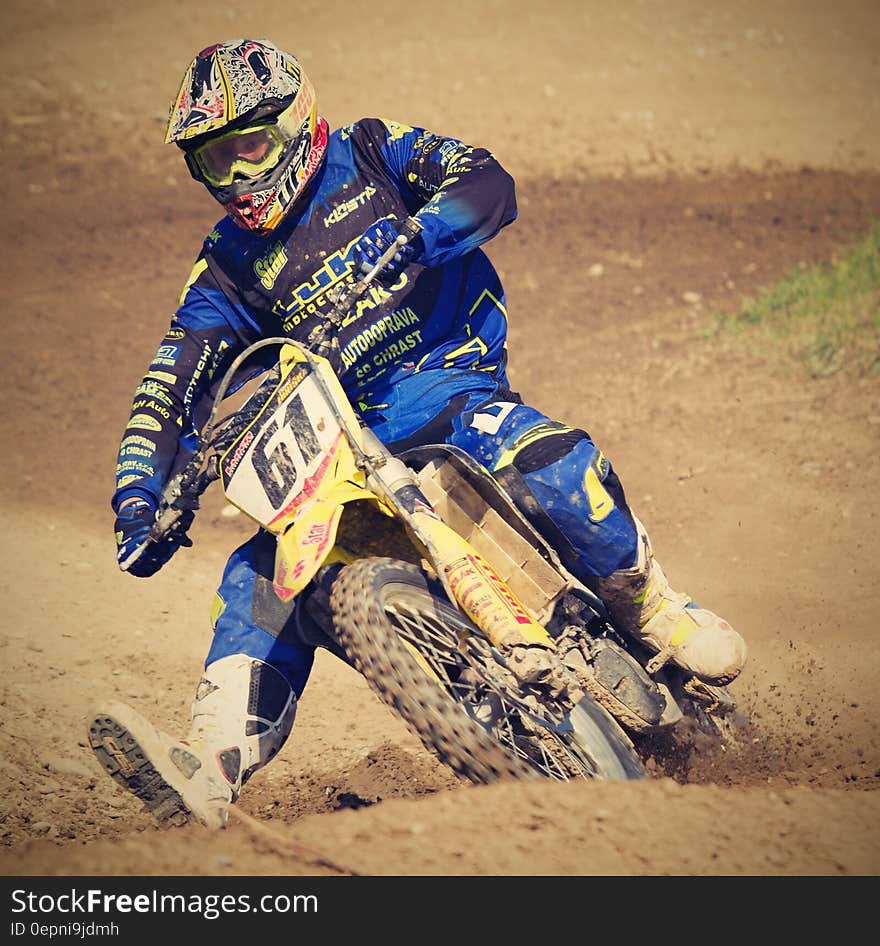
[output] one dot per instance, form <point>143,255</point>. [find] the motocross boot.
<point>642,605</point>
<point>242,714</point>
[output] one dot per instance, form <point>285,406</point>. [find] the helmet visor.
<point>247,152</point>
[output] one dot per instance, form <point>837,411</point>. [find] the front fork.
<point>469,580</point>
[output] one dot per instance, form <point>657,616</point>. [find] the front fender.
<point>305,544</point>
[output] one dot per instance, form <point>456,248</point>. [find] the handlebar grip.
<point>411,229</point>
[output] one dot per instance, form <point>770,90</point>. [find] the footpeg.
<point>714,699</point>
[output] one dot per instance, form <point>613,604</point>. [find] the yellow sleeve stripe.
<point>197,270</point>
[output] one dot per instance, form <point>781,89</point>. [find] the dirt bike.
<point>424,574</point>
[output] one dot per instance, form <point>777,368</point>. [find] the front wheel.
<point>440,673</point>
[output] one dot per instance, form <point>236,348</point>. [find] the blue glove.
<point>133,524</point>
<point>376,240</point>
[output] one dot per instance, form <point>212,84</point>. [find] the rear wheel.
<point>441,674</point>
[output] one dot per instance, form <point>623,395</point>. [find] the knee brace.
<point>561,482</point>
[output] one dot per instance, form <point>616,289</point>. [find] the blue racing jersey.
<point>446,311</point>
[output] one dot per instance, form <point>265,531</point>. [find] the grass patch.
<point>825,317</point>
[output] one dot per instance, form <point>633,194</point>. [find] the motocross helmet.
<point>246,119</point>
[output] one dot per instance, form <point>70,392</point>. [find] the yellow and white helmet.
<point>246,117</point>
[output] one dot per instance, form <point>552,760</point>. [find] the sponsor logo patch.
<point>267,268</point>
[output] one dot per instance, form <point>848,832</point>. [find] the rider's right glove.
<point>133,523</point>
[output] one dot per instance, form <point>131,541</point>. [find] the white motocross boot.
<point>642,604</point>
<point>242,714</point>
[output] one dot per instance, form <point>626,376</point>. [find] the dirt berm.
<point>670,160</point>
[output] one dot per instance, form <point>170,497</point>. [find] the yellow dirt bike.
<point>421,572</point>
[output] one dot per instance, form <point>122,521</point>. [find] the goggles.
<point>249,152</point>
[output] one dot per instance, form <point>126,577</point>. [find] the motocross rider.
<point>424,362</point>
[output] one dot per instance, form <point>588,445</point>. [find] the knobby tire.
<point>367,600</point>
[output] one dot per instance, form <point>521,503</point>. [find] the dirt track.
<point>694,151</point>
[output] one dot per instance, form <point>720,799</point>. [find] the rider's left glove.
<point>376,239</point>
<point>133,523</point>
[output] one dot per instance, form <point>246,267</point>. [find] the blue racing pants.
<point>576,501</point>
